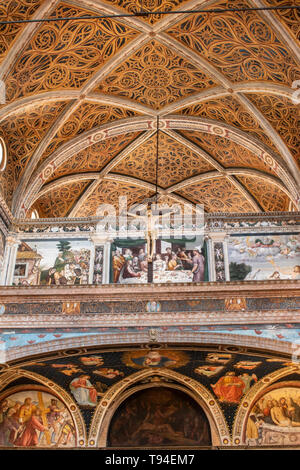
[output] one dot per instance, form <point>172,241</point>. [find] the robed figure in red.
<point>29,437</point>
<point>229,388</point>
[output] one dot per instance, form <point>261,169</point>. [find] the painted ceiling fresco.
<point>82,98</point>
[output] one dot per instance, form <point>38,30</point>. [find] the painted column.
<point>100,260</point>
<point>9,261</point>
<point>220,258</point>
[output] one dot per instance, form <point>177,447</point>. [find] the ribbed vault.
<point>82,97</point>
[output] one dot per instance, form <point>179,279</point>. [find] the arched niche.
<point>254,425</point>
<point>164,379</point>
<point>42,391</point>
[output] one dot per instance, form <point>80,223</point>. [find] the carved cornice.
<point>125,292</point>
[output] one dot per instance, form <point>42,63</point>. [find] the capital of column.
<point>218,236</point>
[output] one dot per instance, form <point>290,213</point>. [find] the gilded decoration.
<point>290,18</point>
<point>86,117</point>
<point>22,134</point>
<point>135,6</point>
<point>108,192</point>
<point>176,162</point>
<point>226,152</point>
<point>155,76</point>
<point>269,196</point>
<point>283,115</point>
<point>64,55</point>
<point>95,157</point>
<point>217,195</point>
<point>231,111</point>
<point>21,10</point>
<point>241,45</point>
<point>58,202</point>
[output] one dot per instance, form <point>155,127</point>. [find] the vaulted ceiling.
<point>83,96</point>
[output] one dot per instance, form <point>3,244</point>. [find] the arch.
<point>236,341</point>
<point>256,391</point>
<point>120,391</point>
<point>11,374</point>
<point>22,202</point>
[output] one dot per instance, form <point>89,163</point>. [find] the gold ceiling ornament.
<point>229,110</point>
<point>14,10</point>
<point>136,6</point>
<point>290,17</point>
<point>86,117</point>
<point>241,45</point>
<point>217,195</point>
<point>283,115</point>
<point>155,76</point>
<point>176,162</point>
<point>95,157</point>
<point>269,196</point>
<point>59,202</point>
<point>22,133</point>
<point>108,192</point>
<point>64,55</point>
<point>226,152</point>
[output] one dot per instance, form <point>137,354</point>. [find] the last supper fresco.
<point>173,261</point>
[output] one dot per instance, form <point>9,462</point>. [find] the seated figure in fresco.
<point>229,388</point>
<point>83,391</point>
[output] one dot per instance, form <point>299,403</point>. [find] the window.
<point>3,154</point>
<point>34,214</point>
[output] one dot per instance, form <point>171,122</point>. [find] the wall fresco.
<point>159,417</point>
<point>173,261</point>
<point>263,257</point>
<point>87,376</point>
<point>35,418</point>
<point>52,262</point>
<point>275,418</point>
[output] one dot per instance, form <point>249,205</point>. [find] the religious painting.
<point>70,308</point>
<point>109,373</point>
<point>52,262</point>
<point>264,257</point>
<point>129,263</point>
<point>249,365</point>
<point>84,391</point>
<point>98,265</point>
<point>235,304</point>
<point>208,370</point>
<point>275,417</point>
<point>158,417</point>
<point>153,307</point>
<point>173,261</point>
<point>155,358</point>
<point>35,418</point>
<point>230,388</point>
<point>92,360</point>
<point>221,358</point>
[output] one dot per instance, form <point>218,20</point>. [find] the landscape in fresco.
<point>275,418</point>
<point>172,262</point>
<point>33,418</point>
<point>158,417</point>
<point>52,262</point>
<point>263,257</point>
